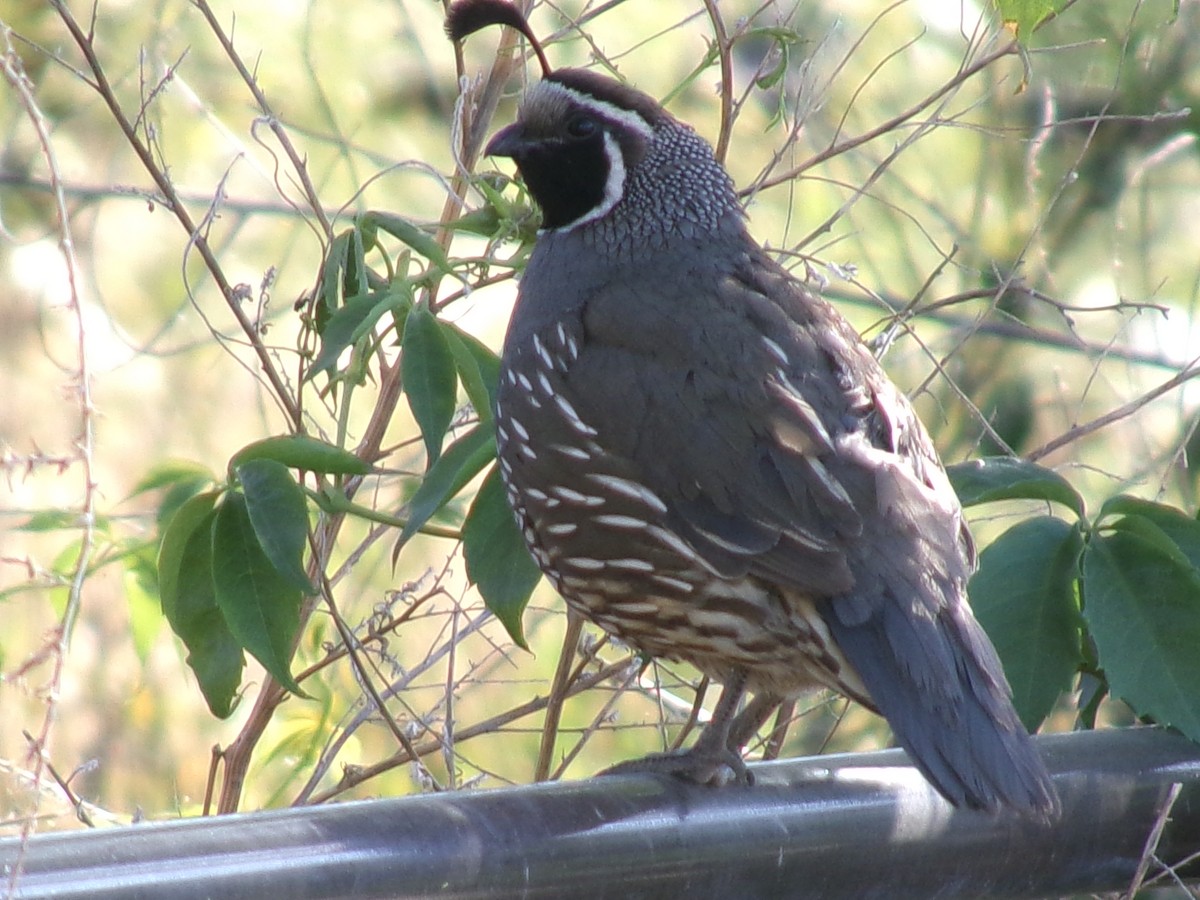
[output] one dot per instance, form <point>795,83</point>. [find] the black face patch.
<point>567,175</point>
<point>575,141</point>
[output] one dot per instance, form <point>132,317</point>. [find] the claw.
<point>715,759</point>
<point>704,767</point>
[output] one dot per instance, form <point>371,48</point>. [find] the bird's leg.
<point>715,738</point>
<point>751,719</point>
<point>715,758</point>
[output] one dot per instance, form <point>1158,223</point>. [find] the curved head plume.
<point>468,16</point>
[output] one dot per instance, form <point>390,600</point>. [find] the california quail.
<point>708,463</point>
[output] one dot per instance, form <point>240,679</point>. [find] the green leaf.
<point>498,562</point>
<point>1176,526</point>
<point>711,55</point>
<point>1150,532</point>
<point>1026,15</point>
<point>279,515</point>
<point>351,322</point>
<point>430,378</point>
<point>478,368</point>
<point>139,586</point>
<point>484,222</point>
<point>354,278</point>
<point>63,566</point>
<point>520,216</point>
<point>217,661</point>
<point>58,520</point>
<point>1024,597</point>
<point>462,461</point>
<point>296,451</point>
<point>1007,478</point>
<point>784,39</point>
<point>192,516</point>
<point>176,495</point>
<point>1142,605</point>
<point>185,578</point>
<point>330,288</point>
<point>411,234</point>
<point>261,607</point>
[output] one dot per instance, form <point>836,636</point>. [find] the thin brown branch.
<point>232,294</point>
<point>1115,415</point>
<point>364,676</point>
<point>210,783</point>
<point>237,755</point>
<point>558,693</point>
<point>836,149</point>
<point>693,717</point>
<point>724,56</point>
<point>486,726</point>
<point>299,167</point>
<point>1152,839</point>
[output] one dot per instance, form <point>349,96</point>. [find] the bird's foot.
<point>713,768</point>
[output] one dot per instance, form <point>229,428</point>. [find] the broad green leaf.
<point>217,661</point>
<point>1142,605</point>
<point>214,654</point>
<point>351,322</point>
<point>309,454</point>
<point>261,607</point>
<point>1150,532</point>
<point>1024,597</point>
<point>462,461</point>
<point>478,368</point>
<point>411,234</point>
<point>279,515</point>
<point>178,494</point>
<point>1177,526</point>
<point>430,378</point>
<point>1007,478</point>
<point>192,516</point>
<point>498,562</point>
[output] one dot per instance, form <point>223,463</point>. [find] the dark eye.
<point>582,126</point>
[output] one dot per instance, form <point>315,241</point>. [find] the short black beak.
<point>508,141</point>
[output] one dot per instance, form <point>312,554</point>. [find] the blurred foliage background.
<point>1024,246</point>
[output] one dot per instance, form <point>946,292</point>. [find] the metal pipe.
<point>856,825</point>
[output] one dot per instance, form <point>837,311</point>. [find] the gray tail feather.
<point>938,682</point>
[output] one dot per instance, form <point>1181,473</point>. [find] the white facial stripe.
<point>626,117</point>
<point>613,187</point>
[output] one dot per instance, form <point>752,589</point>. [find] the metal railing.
<point>859,825</point>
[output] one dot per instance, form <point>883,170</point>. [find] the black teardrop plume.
<point>468,16</point>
